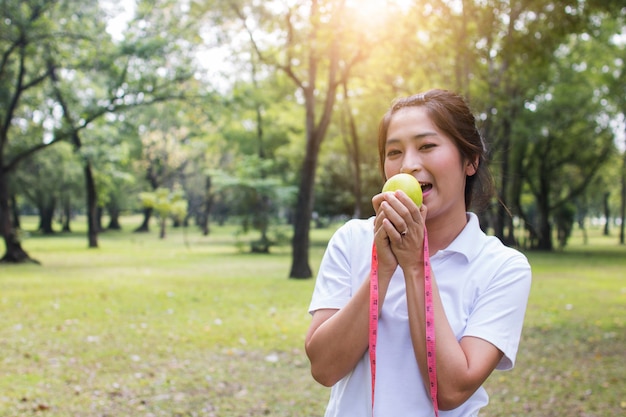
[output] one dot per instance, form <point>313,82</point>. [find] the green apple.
<point>407,183</point>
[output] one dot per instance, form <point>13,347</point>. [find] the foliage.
<point>185,89</point>
<point>49,182</point>
<point>63,74</point>
<point>258,199</point>
<point>567,139</point>
<point>166,204</point>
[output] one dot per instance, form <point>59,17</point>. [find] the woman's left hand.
<point>403,223</point>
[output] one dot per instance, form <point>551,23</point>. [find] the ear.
<point>471,167</point>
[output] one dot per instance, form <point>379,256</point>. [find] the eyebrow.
<point>415,137</point>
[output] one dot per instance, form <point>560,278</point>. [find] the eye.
<point>393,152</point>
<point>427,146</point>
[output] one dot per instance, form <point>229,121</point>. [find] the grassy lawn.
<point>189,326</point>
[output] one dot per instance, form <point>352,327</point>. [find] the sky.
<point>121,11</point>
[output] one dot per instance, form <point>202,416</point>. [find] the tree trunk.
<point>304,209</point>
<point>208,204</point>
<point>264,243</point>
<point>15,212</point>
<point>99,215</point>
<point>163,224</point>
<point>13,248</point>
<point>544,238</point>
<point>622,238</point>
<point>46,217</point>
<point>145,225</point>
<point>114,217</point>
<point>90,184</point>
<point>354,153</point>
<point>544,241</point>
<point>583,229</point>
<point>66,217</point>
<point>315,135</point>
<point>503,219</point>
<point>607,213</point>
<point>92,208</point>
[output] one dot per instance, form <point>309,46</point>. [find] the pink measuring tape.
<point>431,358</point>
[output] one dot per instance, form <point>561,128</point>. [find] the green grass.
<point>189,326</point>
<point>572,360</point>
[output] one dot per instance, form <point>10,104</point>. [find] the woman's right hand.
<point>398,231</point>
<point>387,262</point>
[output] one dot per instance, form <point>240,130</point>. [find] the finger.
<point>396,212</point>
<point>401,202</point>
<point>420,216</point>
<point>416,214</point>
<point>394,235</point>
<point>376,201</point>
<point>378,220</point>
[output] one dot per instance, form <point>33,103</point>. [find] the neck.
<point>441,232</point>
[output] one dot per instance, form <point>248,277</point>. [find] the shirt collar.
<point>466,243</point>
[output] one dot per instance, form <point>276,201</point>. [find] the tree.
<point>610,42</point>
<point>256,200</point>
<point>252,176</point>
<point>515,42</point>
<point>166,203</point>
<point>164,155</point>
<point>622,238</point>
<point>567,141</point>
<point>313,42</point>
<point>63,46</point>
<point>49,181</point>
<point>143,69</point>
<point>27,34</point>
<point>586,74</point>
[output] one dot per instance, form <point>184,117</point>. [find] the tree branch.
<point>287,67</point>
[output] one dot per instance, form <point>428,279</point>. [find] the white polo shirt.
<point>484,288</point>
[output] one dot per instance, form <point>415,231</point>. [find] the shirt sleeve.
<point>498,313</point>
<point>333,285</point>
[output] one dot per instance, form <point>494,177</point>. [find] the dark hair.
<point>452,115</point>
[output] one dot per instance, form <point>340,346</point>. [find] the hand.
<point>399,230</point>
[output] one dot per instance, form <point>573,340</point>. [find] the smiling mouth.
<point>425,186</point>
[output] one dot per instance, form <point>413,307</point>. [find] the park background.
<point>170,173</point>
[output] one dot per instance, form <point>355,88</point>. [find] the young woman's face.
<point>414,145</point>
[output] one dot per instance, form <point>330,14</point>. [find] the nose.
<point>411,162</point>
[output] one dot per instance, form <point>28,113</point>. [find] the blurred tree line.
<point>267,111</point>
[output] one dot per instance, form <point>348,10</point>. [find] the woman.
<point>480,286</point>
